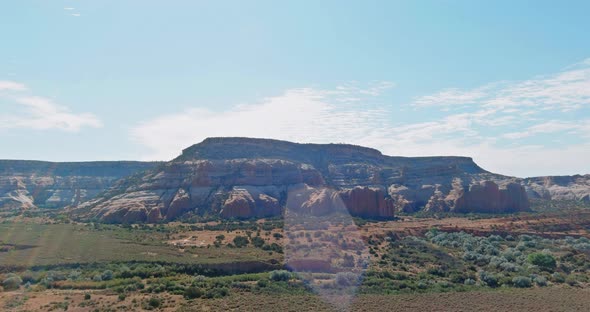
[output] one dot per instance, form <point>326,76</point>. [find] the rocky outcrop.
<point>576,187</point>
<point>244,204</point>
<point>37,184</point>
<point>487,197</point>
<point>249,178</point>
<point>368,202</point>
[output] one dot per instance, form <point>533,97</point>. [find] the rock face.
<point>576,187</point>
<point>368,201</point>
<point>489,198</point>
<point>37,184</point>
<point>244,178</point>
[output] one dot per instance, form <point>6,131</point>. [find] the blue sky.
<point>505,82</point>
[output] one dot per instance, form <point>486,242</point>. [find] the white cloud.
<point>551,126</point>
<point>451,97</point>
<point>565,91</point>
<point>39,113</point>
<point>69,8</point>
<point>11,86</point>
<point>490,120</point>
<point>310,115</point>
<point>303,115</point>
<point>75,14</point>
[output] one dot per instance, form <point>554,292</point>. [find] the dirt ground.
<point>545,225</point>
<point>58,300</point>
<point>534,300</point>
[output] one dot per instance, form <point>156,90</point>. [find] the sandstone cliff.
<point>243,178</point>
<point>576,187</point>
<point>37,184</point>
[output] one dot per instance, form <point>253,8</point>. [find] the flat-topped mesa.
<point>236,148</point>
<point>249,178</point>
<point>83,168</point>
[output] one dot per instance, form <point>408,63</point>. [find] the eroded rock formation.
<point>244,178</point>
<point>36,184</point>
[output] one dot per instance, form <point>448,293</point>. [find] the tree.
<point>241,241</point>
<point>257,241</point>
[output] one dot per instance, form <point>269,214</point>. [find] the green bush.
<point>87,296</point>
<point>542,260</point>
<point>193,292</point>
<point>217,293</point>
<point>262,283</point>
<point>280,275</point>
<point>154,302</point>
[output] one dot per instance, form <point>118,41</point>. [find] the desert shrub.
<point>571,280</point>
<point>496,261</point>
<point>457,278</point>
<point>217,293</point>
<point>74,275</point>
<point>582,246</point>
<point>511,254</point>
<point>280,275</point>
<point>469,281</point>
<point>543,260</point>
<point>154,302</point>
<point>87,296</point>
<point>12,282</point>
<point>348,261</point>
<point>121,297</point>
<point>523,245</point>
<point>437,271</point>
<point>422,285</point>
<point>509,267</point>
<point>488,279</point>
<point>540,281</point>
<point>262,283</point>
<point>273,247</point>
<point>29,277</point>
<point>107,275</point>
<point>346,278</point>
<point>557,277</point>
<point>241,241</point>
<point>522,282</point>
<point>193,292</point>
